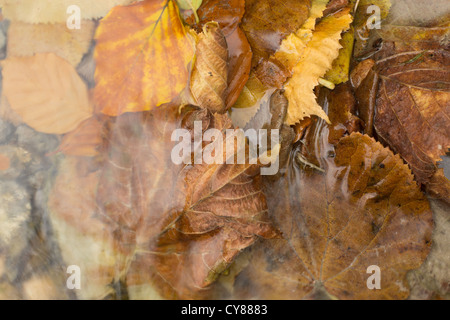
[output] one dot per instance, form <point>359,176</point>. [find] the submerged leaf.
<point>408,87</point>
<point>142,54</point>
<point>46,92</point>
<point>32,11</point>
<point>365,210</point>
<point>173,228</point>
<point>28,39</point>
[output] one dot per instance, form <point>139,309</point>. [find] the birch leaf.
<point>143,54</point>
<point>316,60</point>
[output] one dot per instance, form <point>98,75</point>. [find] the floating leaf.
<point>142,54</point>
<point>209,76</point>
<point>316,60</point>
<point>228,13</point>
<point>46,92</point>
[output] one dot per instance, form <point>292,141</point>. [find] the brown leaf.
<point>409,89</point>
<point>209,79</point>
<point>46,92</point>
<point>266,23</point>
<point>175,227</point>
<point>228,13</point>
<point>364,210</point>
<point>84,140</point>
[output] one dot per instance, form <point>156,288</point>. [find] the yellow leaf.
<point>143,57</point>
<point>26,39</point>
<point>341,66</point>
<point>316,60</point>
<point>51,11</point>
<point>288,55</point>
<point>46,92</point>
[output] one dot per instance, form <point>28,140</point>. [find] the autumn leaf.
<point>80,235</point>
<point>407,92</point>
<point>266,23</point>
<point>31,11</point>
<point>364,210</point>
<point>174,228</point>
<point>28,39</point>
<point>85,140</point>
<point>209,79</point>
<point>46,92</point>
<point>143,63</point>
<point>228,15</point>
<point>339,72</point>
<point>316,60</point>
<point>274,72</point>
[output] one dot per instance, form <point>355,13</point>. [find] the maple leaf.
<point>406,94</point>
<point>28,39</point>
<point>31,11</point>
<point>364,210</point>
<point>46,92</point>
<point>143,63</point>
<point>316,60</point>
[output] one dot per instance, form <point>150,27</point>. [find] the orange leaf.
<point>84,140</point>
<point>46,92</point>
<point>142,56</point>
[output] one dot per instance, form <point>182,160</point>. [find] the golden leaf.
<point>316,60</point>
<point>339,72</point>
<point>46,92</point>
<point>31,11</point>
<point>26,39</point>
<point>143,54</point>
<point>288,55</point>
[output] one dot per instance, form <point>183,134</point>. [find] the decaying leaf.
<point>48,11</point>
<point>28,39</point>
<point>85,140</point>
<point>365,210</point>
<point>273,73</point>
<point>82,238</point>
<point>46,92</point>
<point>175,227</point>
<point>143,54</point>
<point>316,60</point>
<point>209,79</point>
<point>409,89</point>
<point>266,23</point>
<point>228,14</point>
